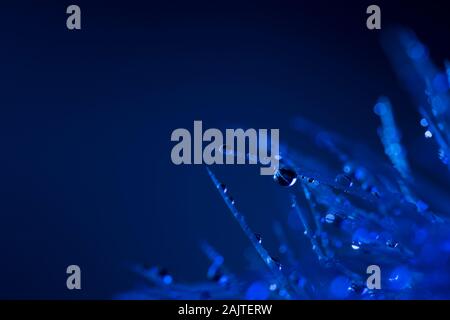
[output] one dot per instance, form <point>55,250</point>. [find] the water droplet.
<point>428,134</point>
<point>356,288</point>
<point>223,187</point>
<point>220,278</point>
<point>424,122</point>
<point>258,238</point>
<point>335,218</point>
<point>330,218</point>
<point>362,235</point>
<point>285,177</point>
<point>166,278</point>
<point>231,200</point>
<point>374,191</point>
<point>392,243</point>
<point>347,168</point>
<point>276,262</point>
<point>344,181</point>
<point>356,245</point>
<point>400,278</point>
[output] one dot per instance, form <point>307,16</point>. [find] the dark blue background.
<point>86,118</point>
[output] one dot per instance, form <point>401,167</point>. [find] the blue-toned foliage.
<point>373,210</point>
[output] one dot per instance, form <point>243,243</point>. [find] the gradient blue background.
<point>86,118</point>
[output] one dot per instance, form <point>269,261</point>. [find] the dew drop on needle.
<point>285,177</point>
<point>344,181</point>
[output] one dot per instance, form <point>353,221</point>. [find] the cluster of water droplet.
<point>373,210</point>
